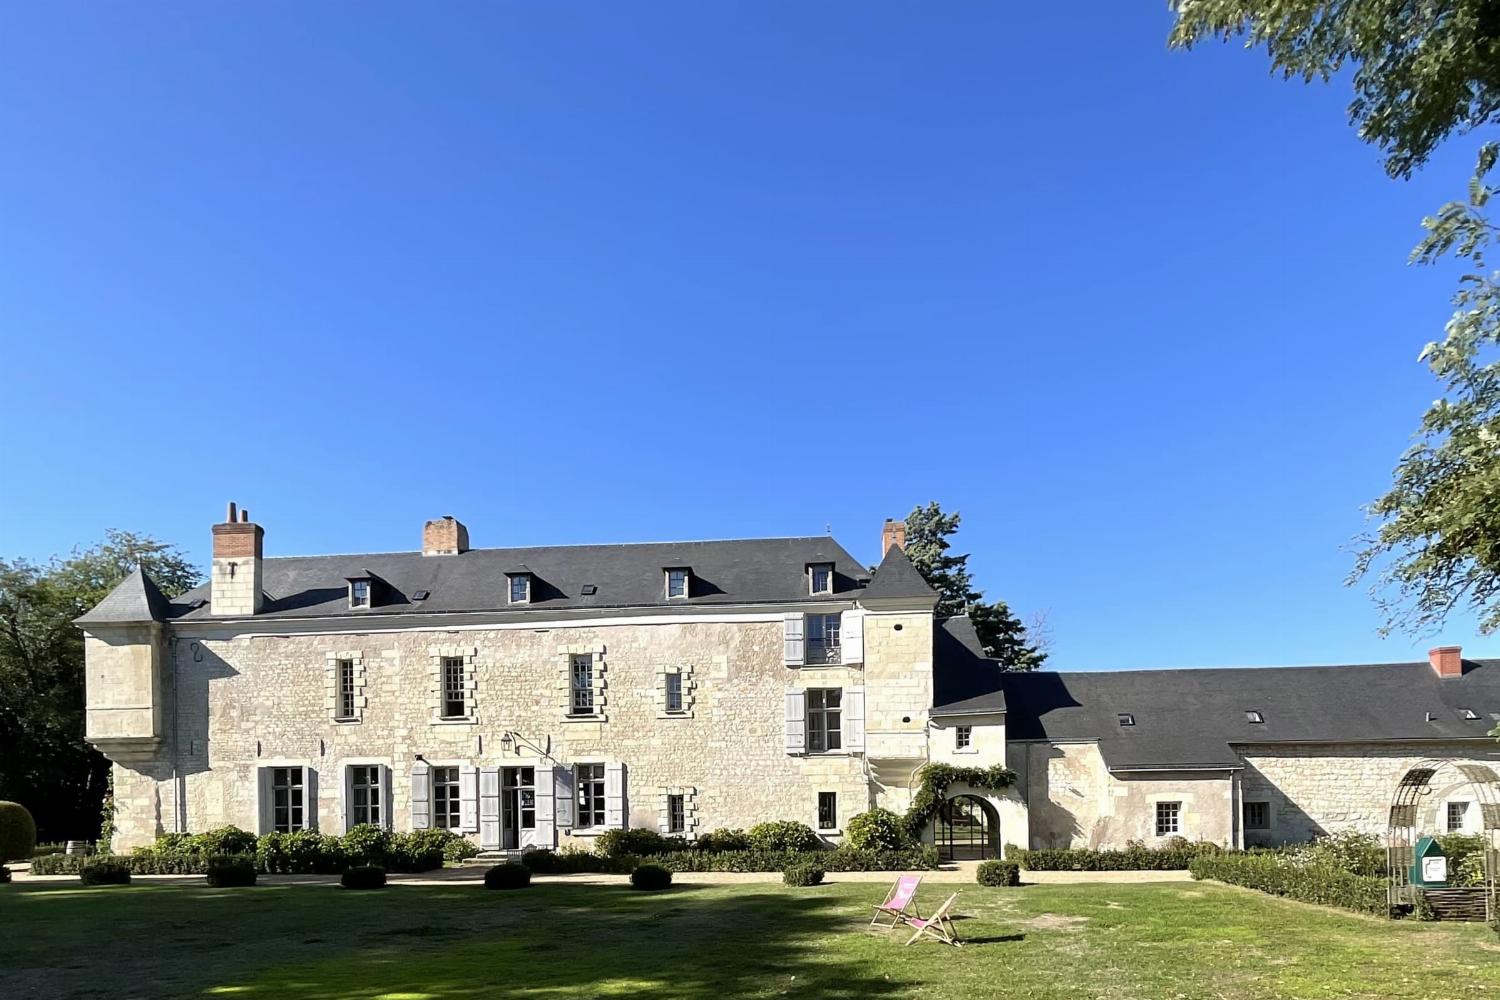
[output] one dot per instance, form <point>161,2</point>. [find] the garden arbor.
<point>1413,814</point>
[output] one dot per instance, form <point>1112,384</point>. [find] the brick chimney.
<point>892,533</point>
<point>234,587</point>
<point>1447,661</point>
<point>444,537</point>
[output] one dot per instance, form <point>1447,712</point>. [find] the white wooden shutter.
<point>852,636</point>
<point>614,796</point>
<point>263,799</point>
<point>489,808</point>
<point>421,796</point>
<point>793,628</point>
<point>562,797</point>
<point>796,721</point>
<point>545,834</point>
<point>854,719</point>
<point>468,798</point>
<point>309,799</point>
<point>387,800</point>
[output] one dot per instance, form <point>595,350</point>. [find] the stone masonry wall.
<point>245,702</point>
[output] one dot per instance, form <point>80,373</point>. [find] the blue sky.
<point>612,272</point>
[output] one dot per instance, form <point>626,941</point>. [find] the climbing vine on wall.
<point>933,791</point>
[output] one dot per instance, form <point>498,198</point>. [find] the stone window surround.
<point>566,652</point>
<point>331,671</point>
<point>685,670</point>
<point>689,795</point>
<point>435,657</point>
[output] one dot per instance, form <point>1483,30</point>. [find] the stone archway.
<point>967,828</point>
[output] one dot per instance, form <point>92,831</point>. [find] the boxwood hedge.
<point>1280,875</point>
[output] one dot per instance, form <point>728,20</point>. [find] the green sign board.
<point>1429,867</point>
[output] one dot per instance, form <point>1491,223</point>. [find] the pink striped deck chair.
<point>939,926</point>
<point>901,898</point>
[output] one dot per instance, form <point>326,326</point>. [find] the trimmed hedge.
<point>878,830</point>
<point>722,840</point>
<point>1133,857</point>
<point>226,871</point>
<point>363,877</point>
<point>507,876</point>
<point>803,874</point>
<point>574,861</point>
<point>17,832</point>
<point>571,861</point>
<point>650,878</point>
<point>783,835</point>
<point>104,871</point>
<point>1280,875</point>
<point>999,873</point>
<point>638,841</point>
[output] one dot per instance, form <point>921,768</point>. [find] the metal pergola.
<point>1406,824</point>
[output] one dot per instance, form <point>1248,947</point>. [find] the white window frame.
<point>575,708</point>
<point>354,600</point>
<point>687,582</point>
<point>448,665</point>
<point>1245,814</point>
<point>301,789</point>
<point>598,775</point>
<point>452,803</point>
<point>673,679</point>
<point>676,814</point>
<point>381,807</point>
<point>511,579</point>
<point>833,825</point>
<point>812,576</point>
<point>1169,810</point>
<point>819,734</point>
<point>1463,816</point>
<point>823,647</point>
<point>963,739</point>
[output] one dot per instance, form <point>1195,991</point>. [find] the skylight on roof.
<point>1469,714</point>
<point>589,590</point>
<point>1126,719</point>
<point>1251,715</point>
<point>421,595</point>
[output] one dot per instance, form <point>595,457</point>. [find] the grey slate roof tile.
<point>897,577</point>
<point>135,599</point>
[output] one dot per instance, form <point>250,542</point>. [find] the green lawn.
<point>1165,940</point>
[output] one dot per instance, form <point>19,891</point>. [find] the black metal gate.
<point>967,830</point>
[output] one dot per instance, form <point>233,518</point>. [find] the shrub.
<point>103,871</point>
<point>421,850</point>
<point>722,840</point>
<point>1135,856</point>
<point>638,841</point>
<point>783,835</point>
<point>305,852</point>
<point>363,877</point>
<point>877,830</point>
<point>507,876</point>
<point>999,873</point>
<point>226,871</point>
<point>1283,873</point>
<point>367,844</point>
<point>59,864</point>
<point>460,849</point>
<point>1349,851</point>
<point>574,860</point>
<point>650,878</point>
<point>17,832</point>
<point>803,874</point>
<point>1465,852</point>
<point>4,875</point>
<point>225,840</point>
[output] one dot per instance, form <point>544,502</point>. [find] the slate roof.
<point>1191,718</point>
<point>965,681</point>
<point>740,571</point>
<point>897,577</point>
<point>136,599</point>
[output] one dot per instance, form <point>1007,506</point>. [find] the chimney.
<point>234,587</point>
<point>444,537</point>
<point>892,533</point>
<point>1447,661</point>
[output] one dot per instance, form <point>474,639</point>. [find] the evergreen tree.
<point>1003,635</point>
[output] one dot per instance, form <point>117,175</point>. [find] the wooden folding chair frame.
<point>898,917</point>
<point>939,926</point>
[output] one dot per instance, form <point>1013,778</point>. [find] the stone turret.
<point>124,667</point>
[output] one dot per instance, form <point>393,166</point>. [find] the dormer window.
<point>361,591</point>
<point>677,583</point>
<point>520,588</point>
<point>819,578</point>
<point>1253,716</point>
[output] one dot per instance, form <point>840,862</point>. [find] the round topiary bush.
<point>999,873</point>
<point>507,876</point>
<point>227,871</point>
<point>226,840</point>
<point>104,871</point>
<point>367,844</point>
<point>783,835</point>
<point>17,832</point>
<point>877,830</point>
<point>650,878</point>
<point>803,874</point>
<point>363,877</point>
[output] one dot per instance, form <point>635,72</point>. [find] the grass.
<point>559,940</point>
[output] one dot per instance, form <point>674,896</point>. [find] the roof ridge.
<point>1108,672</point>
<point>568,545</point>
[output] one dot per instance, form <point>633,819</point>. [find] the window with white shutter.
<point>796,722</point>
<point>793,629</point>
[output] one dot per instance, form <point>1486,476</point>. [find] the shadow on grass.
<point>440,942</point>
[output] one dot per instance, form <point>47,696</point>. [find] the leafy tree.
<point>1002,634</point>
<point>1423,71</point>
<point>46,765</point>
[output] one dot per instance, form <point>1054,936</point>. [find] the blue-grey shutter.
<point>854,719</point>
<point>309,799</point>
<point>421,796</point>
<point>387,800</point>
<point>562,797</point>
<point>468,798</point>
<point>489,808</point>
<point>263,799</point>
<point>793,628</point>
<point>796,721</point>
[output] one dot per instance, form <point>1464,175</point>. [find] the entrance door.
<point>967,830</point>
<point>517,805</point>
